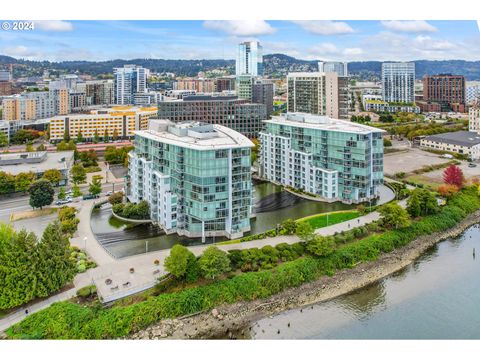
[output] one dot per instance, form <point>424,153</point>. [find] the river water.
<point>436,297</point>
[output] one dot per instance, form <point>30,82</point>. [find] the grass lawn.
<point>30,214</point>
<point>320,220</point>
<point>425,180</point>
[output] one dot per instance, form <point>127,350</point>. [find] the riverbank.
<point>235,320</point>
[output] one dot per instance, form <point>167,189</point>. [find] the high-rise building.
<point>5,76</point>
<point>472,94</point>
<point>445,89</point>
<point>334,159</point>
<point>99,92</point>
<point>340,68</point>
<point>318,93</point>
<point>196,177</point>
<point>36,105</point>
<point>249,59</point>
<point>129,80</point>
<point>398,82</point>
<point>262,93</point>
<point>237,114</point>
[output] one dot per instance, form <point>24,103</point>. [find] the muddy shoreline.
<point>234,321</point>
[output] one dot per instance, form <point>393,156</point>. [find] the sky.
<point>217,39</point>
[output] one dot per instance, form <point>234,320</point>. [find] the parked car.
<point>108,193</point>
<point>63,202</point>
<point>89,196</point>
<point>472,165</point>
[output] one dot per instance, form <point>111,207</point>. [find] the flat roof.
<point>320,122</point>
<point>218,136</point>
<point>462,138</point>
<point>52,161</point>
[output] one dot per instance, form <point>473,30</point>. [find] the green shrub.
<point>87,291</point>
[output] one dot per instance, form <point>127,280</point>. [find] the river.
<point>436,297</point>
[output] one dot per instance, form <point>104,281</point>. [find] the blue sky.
<point>214,39</point>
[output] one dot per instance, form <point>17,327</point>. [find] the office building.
<point>249,59</point>
<point>196,178</point>
<point>472,93</point>
<point>340,68</point>
<point>318,93</point>
<point>447,90</point>
<point>398,82</point>
<point>336,160</point>
<point>129,80</point>
<point>237,114</point>
<point>119,122</point>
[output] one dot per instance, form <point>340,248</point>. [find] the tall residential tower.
<point>398,82</point>
<point>249,59</point>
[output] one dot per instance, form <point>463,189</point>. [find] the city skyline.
<point>217,39</point>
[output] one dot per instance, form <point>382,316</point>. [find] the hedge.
<point>65,320</point>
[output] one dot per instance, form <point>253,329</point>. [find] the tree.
<point>105,136</point>
<point>289,226</point>
<point>321,246</point>
<point>179,261</point>
<point>29,147</point>
<point>54,268</point>
<point>80,136</point>
<point>304,230</point>
<point>61,194</point>
<point>66,134</point>
<point>66,146</point>
<point>116,198</point>
<point>95,187</point>
<point>41,194</point>
<point>78,174</point>
<point>76,191</point>
<point>3,139</point>
<point>386,142</point>
<point>447,190</point>
<point>52,175</point>
<point>96,138</point>
<point>41,147</point>
<point>115,135</point>
<point>7,183</point>
<point>23,181</point>
<point>394,215</point>
<point>453,175</point>
<point>413,204</point>
<point>213,262</point>
<point>428,202</point>
<point>143,210</point>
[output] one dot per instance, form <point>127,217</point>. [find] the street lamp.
<point>85,243</point>
<point>146,246</point>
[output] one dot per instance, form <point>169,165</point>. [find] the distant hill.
<point>276,65</point>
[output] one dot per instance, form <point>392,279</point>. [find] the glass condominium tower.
<point>334,159</point>
<point>398,82</point>
<point>249,59</point>
<point>196,178</point>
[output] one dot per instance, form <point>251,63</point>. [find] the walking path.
<point>146,273</point>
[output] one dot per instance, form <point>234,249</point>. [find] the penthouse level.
<point>334,159</point>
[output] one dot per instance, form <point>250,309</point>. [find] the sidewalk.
<point>145,271</point>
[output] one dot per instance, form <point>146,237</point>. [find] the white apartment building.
<point>340,68</point>
<point>398,82</point>
<point>129,80</point>
<point>249,59</point>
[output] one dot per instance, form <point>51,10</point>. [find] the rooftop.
<point>37,161</point>
<point>462,138</point>
<point>319,122</point>
<point>195,135</point>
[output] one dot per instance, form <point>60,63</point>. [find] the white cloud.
<point>427,43</point>
<point>325,27</point>
<point>410,26</point>
<point>54,25</point>
<point>240,27</point>
<point>19,51</point>
<point>352,51</point>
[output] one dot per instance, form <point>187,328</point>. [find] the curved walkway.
<point>146,273</point>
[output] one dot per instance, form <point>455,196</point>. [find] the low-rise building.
<point>336,160</point>
<point>461,142</point>
<point>38,162</point>
<point>195,177</point>
<point>383,106</point>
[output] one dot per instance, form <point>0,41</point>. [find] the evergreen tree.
<point>414,204</point>
<point>54,268</point>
